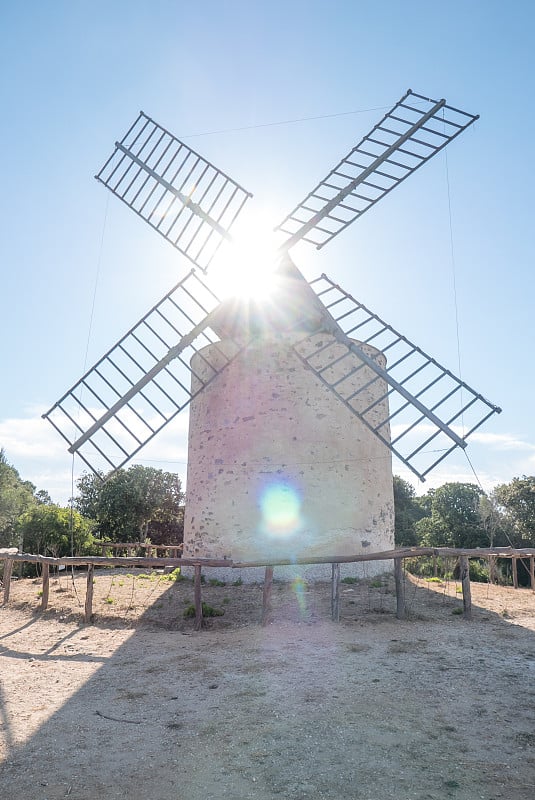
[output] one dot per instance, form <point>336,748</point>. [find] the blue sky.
<point>79,268</point>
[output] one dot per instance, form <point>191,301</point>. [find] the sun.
<point>246,267</point>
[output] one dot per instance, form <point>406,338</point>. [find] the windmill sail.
<point>176,191</point>
<point>429,412</point>
<point>144,381</point>
<point>417,408</point>
<point>411,133</point>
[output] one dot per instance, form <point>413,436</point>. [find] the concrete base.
<point>309,573</point>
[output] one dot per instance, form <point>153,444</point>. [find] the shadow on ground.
<point>429,708</point>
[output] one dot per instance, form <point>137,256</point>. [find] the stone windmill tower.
<point>298,400</point>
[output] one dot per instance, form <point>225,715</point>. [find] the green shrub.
<point>479,571</point>
<point>207,611</point>
<point>175,575</point>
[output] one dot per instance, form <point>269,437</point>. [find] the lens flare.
<point>280,506</point>
<point>299,587</point>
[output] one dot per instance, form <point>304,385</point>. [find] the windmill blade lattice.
<point>429,411</point>
<point>411,133</point>
<point>417,408</point>
<point>144,381</point>
<point>176,191</point>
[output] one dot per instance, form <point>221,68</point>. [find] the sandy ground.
<point>137,705</point>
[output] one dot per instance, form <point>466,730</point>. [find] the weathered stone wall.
<point>279,467</point>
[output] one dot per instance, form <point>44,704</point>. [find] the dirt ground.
<point>137,705</point>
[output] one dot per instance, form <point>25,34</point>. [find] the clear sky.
<point>79,268</point>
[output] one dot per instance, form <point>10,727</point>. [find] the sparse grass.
<point>172,577</point>
<point>376,585</point>
<point>457,611</point>
<point>207,611</point>
<point>349,580</point>
<point>238,582</point>
<point>144,576</point>
<point>216,582</point>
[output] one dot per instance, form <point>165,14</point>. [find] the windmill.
<point>297,404</point>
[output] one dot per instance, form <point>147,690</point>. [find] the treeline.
<point>136,504</point>
<point>142,503</point>
<point>462,515</point>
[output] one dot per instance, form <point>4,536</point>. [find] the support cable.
<point>454,283</point>
<point>91,315</point>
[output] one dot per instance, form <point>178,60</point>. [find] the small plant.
<point>459,589</point>
<point>175,575</point>
<point>479,572</point>
<point>434,579</point>
<point>238,582</point>
<point>109,600</point>
<point>40,593</point>
<point>215,582</point>
<point>376,584</point>
<point>207,611</point>
<point>226,601</point>
<point>143,576</point>
<point>349,580</point>
<point>457,611</point>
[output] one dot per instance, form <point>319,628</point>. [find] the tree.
<point>407,513</point>
<point>46,529</point>
<point>134,504</point>
<point>496,524</point>
<point>16,496</point>
<point>517,499</point>
<point>89,486</point>
<point>455,519</point>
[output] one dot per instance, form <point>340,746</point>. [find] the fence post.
<point>335,592</point>
<point>464,566</point>
<point>46,586</point>
<point>88,611</point>
<point>515,572</point>
<point>8,569</point>
<point>197,598</point>
<point>401,609</point>
<point>266,596</point>
<point>532,572</point>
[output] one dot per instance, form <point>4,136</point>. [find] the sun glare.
<point>246,267</point>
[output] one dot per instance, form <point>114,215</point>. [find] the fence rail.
<point>10,556</point>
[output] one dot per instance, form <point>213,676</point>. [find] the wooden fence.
<point>10,556</point>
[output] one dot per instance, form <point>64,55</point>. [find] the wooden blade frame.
<point>431,412</point>
<point>143,382</point>
<point>185,198</point>
<point>415,130</point>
